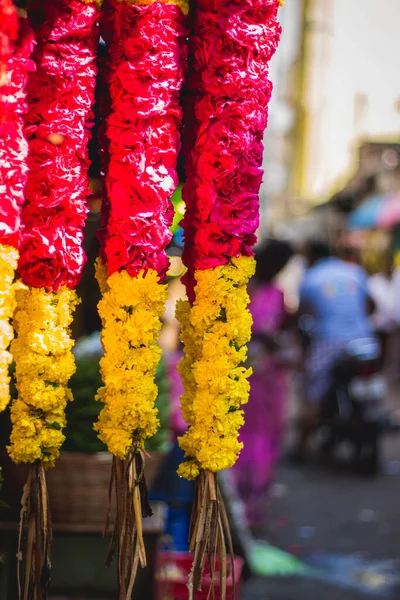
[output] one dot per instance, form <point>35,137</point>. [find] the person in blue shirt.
<point>335,304</point>
<point>335,294</point>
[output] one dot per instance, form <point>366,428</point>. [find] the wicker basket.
<point>77,485</point>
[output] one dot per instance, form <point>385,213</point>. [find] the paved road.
<point>319,512</point>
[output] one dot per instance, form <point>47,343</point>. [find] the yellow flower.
<point>189,469</point>
<point>47,367</point>
<point>130,310</point>
<point>43,365</point>
<point>215,331</point>
<point>8,264</point>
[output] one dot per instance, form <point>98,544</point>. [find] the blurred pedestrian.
<point>263,430</point>
<point>380,288</point>
<point>350,254</point>
<point>335,304</point>
<point>394,349</point>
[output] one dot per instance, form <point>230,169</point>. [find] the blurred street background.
<point>344,526</point>
<point>314,498</point>
<point>332,151</point>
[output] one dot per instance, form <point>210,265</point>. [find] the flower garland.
<point>8,35</point>
<point>229,90</point>
<point>44,364</point>
<point>232,47</point>
<point>216,329</point>
<point>146,58</point>
<point>60,97</point>
<point>13,174</point>
<point>130,309</point>
<point>143,134</point>
<point>8,264</point>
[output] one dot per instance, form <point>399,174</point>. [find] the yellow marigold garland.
<point>44,364</point>
<point>8,264</point>
<point>130,309</point>
<point>215,330</point>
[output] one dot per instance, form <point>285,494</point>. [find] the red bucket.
<point>173,572</point>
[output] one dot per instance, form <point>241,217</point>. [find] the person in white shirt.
<point>394,349</point>
<point>380,288</point>
<point>396,296</point>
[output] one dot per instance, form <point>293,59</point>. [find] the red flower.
<point>251,112</point>
<point>248,244</point>
<point>224,137</point>
<point>150,142</point>
<point>214,246</point>
<point>213,165</point>
<point>60,95</point>
<point>147,51</point>
<point>52,258</point>
<point>13,146</point>
<point>244,179</point>
<point>10,218</point>
<point>40,273</point>
<point>200,200</point>
<point>137,245</point>
<point>8,29</point>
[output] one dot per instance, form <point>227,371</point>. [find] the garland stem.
<point>35,536</point>
<point>209,535</point>
<point>129,485</point>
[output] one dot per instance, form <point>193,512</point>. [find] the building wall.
<point>274,197</point>
<point>352,88</point>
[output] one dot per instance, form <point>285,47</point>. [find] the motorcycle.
<point>352,411</point>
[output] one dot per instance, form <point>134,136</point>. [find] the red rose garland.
<point>8,35</point>
<point>146,44</point>
<point>13,174</point>
<point>60,97</point>
<point>229,90</point>
<point>144,76</point>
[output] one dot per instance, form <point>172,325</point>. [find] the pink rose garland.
<point>232,45</point>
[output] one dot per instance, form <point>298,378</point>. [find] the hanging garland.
<point>228,91</point>
<point>60,97</point>
<point>144,73</point>
<point>8,35</point>
<point>13,172</point>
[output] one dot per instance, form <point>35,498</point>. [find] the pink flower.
<point>238,216</point>
<point>227,105</point>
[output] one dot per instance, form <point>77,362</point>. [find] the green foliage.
<point>84,410</point>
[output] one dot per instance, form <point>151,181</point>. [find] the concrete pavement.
<point>335,518</point>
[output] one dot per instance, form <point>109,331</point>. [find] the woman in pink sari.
<point>265,412</point>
